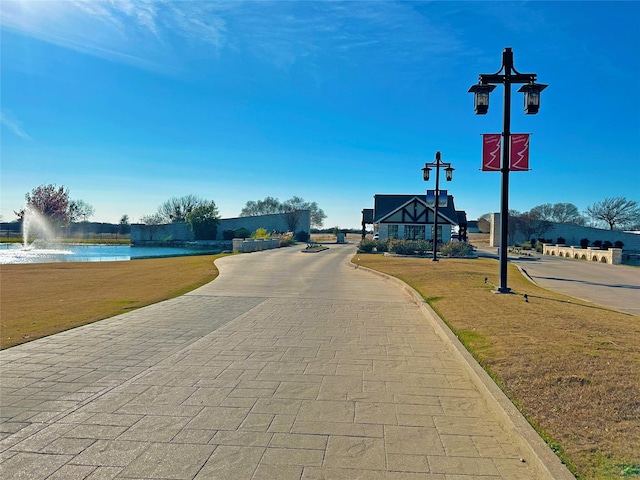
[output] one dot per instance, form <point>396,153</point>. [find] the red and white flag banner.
<point>519,158</point>
<point>491,152</point>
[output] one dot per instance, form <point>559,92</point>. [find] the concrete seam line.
<point>546,461</point>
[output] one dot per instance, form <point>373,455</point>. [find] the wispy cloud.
<point>13,124</point>
<point>166,35</point>
<point>143,33</point>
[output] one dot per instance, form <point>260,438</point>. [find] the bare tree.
<point>176,209</point>
<point>268,206</point>
<point>615,211</point>
<point>559,213</point>
<point>272,205</point>
<point>80,209</point>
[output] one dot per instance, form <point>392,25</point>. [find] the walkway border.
<point>507,414</point>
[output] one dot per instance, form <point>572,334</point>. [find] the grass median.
<point>41,299</point>
<point>571,367</point>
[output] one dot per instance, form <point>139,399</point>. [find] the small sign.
<point>519,158</point>
<point>491,152</point>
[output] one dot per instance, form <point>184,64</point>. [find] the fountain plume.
<point>36,226</point>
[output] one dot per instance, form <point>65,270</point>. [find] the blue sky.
<point>129,103</point>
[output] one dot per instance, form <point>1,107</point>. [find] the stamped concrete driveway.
<point>290,365</point>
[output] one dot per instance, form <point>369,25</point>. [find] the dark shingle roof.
<point>385,204</point>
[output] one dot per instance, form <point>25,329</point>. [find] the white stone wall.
<point>254,245</point>
<point>612,256</point>
<point>494,235</point>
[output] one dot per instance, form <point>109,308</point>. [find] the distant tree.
<point>176,209</point>
<point>532,226</point>
<point>124,224</point>
<point>615,211</point>
<point>514,225</point>
<point>289,207</point>
<point>204,220</point>
<point>316,213</point>
<point>544,211</point>
<point>51,201</point>
<point>559,213</point>
<point>567,213</point>
<point>153,219</point>
<point>79,209</point>
<point>268,206</point>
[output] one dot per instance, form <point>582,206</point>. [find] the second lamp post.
<point>425,175</point>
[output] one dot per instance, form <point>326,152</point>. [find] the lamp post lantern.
<point>448,176</point>
<point>507,75</point>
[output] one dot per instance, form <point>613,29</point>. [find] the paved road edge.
<point>511,418</point>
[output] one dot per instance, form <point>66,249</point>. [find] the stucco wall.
<point>277,222</point>
<point>181,232</point>
<point>571,233</point>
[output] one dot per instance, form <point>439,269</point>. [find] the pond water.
<point>11,253</point>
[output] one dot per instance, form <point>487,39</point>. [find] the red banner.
<point>491,152</point>
<point>519,159</point>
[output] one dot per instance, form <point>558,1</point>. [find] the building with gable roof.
<point>409,217</point>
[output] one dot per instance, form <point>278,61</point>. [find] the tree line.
<point>615,213</point>
<point>201,214</point>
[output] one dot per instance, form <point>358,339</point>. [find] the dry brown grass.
<point>572,369</point>
<point>41,299</point>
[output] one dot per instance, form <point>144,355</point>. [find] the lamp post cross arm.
<point>501,79</point>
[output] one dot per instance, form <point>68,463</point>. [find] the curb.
<point>539,453</point>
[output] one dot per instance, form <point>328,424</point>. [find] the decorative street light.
<point>506,76</point>
<point>448,175</point>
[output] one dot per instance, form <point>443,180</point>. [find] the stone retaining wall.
<point>249,245</point>
<point>612,256</point>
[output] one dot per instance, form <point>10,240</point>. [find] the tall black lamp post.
<point>506,76</point>
<point>448,175</point>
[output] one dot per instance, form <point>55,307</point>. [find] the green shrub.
<point>241,233</point>
<point>302,236</point>
<point>460,249</point>
<point>381,245</point>
<point>410,247</point>
<point>228,234</point>
<point>286,240</point>
<point>606,245</point>
<point>366,246</point>
<point>204,221</point>
<point>584,242</point>
<point>261,233</point>
<point>618,244</point>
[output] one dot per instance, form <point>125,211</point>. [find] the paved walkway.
<point>288,366</point>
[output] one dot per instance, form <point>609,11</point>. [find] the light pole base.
<point>502,290</point>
